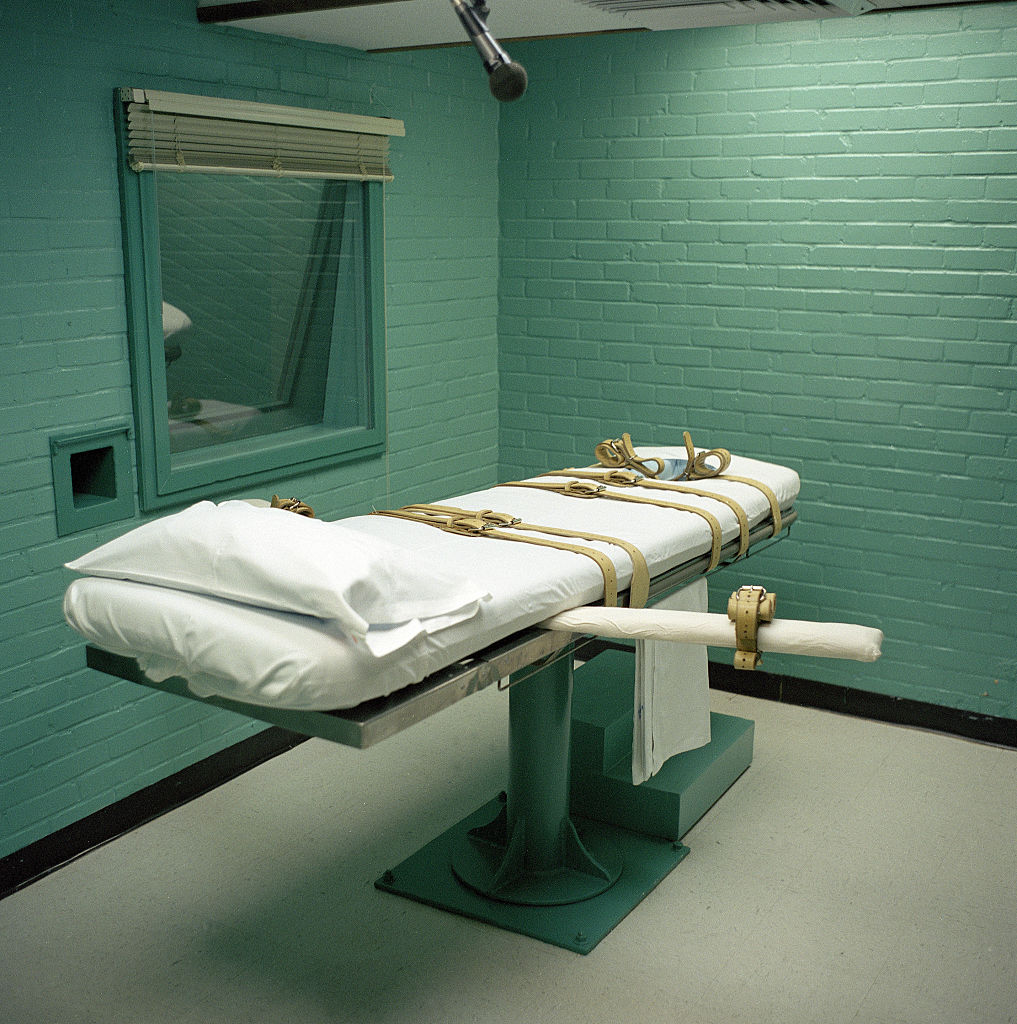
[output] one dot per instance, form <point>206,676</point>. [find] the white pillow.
<point>275,559</point>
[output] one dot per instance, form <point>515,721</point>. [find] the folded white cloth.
<point>671,711</point>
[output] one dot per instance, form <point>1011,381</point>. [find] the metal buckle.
<point>468,526</point>
<point>583,488</point>
<point>747,608</point>
<point>499,518</point>
<point>621,478</point>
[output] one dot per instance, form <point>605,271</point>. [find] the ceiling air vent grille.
<point>669,14</point>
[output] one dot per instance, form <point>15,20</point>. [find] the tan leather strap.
<point>619,453</point>
<point>595,489</point>
<point>639,586</point>
<point>626,478</point>
<point>292,505</point>
<point>698,468</point>
<point>491,524</point>
<point>747,608</point>
<point>767,493</point>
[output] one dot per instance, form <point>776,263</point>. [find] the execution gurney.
<point>500,611</point>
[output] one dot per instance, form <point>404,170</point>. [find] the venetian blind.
<point>176,132</point>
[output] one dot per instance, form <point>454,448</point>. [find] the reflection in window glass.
<point>252,270</point>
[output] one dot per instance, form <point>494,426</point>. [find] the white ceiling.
<point>412,23</point>
<point>408,23</point>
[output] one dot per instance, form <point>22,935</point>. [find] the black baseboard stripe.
<point>40,858</point>
<point>847,701</point>
<point>46,855</point>
<point>863,704</point>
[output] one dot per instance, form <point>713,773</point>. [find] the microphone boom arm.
<point>507,79</point>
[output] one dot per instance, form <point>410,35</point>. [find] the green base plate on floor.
<point>620,840</point>
<point>427,877</point>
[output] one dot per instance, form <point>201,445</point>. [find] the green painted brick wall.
<point>795,240</point>
<point>71,740</point>
<point>798,241</point>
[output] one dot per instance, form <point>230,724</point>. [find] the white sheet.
<point>263,657</point>
<point>672,692</point>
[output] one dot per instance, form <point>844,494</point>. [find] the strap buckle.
<point>479,522</point>
<point>697,467</point>
<point>583,488</point>
<point>467,526</point>
<point>499,518</point>
<point>747,608</point>
<point>292,505</point>
<point>620,452</point>
<point>621,478</point>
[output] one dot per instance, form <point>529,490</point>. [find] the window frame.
<point>238,464</point>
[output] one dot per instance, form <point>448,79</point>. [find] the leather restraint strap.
<point>619,454</point>
<point>702,466</point>
<point>292,505</point>
<point>698,468</point>
<point>594,489</point>
<point>626,478</point>
<point>747,608</point>
<point>639,585</point>
<point>767,493</point>
<point>495,525</point>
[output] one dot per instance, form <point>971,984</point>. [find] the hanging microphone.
<point>507,79</point>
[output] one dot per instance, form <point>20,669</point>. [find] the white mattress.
<point>265,657</point>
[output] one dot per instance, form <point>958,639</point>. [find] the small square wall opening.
<point>92,479</point>
<point>93,476</point>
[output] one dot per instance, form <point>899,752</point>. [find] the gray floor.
<point>857,872</point>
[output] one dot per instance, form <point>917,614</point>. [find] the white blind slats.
<point>192,138</point>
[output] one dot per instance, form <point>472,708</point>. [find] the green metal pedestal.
<point>531,853</point>
<point>530,863</point>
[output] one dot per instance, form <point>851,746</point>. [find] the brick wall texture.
<point>71,740</point>
<point>797,241</point>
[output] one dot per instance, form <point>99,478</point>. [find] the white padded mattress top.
<point>263,656</point>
